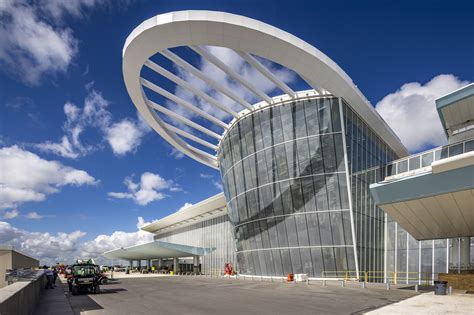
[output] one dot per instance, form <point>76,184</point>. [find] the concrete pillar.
<point>196,264</point>
<point>461,253</point>
<point>160,262</point>
<point>131,263</point>
<point>139,263</point>
<point>148,263</point>
<point>175,265</point>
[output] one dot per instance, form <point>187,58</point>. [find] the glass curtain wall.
<point>284,179</point>
<point>367,155</point>
<point>215,232</point>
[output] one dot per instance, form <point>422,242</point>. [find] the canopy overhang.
<point>438,203</point>
<point>156,250</point>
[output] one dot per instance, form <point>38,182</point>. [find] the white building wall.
<point>215,233</point>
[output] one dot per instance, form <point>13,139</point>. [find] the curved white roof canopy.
<point>247,37</point>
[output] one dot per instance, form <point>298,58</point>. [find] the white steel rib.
<point>184,120</point>
<point>263,70</point>
<point>158,69</point>
<point>191,137</point>
<point>250,39</point>
<point>182,102</point>
<point>215,61</point>
<point>198,73</point>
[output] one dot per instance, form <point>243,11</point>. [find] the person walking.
<point>49,277</point>
<point>55,276</point>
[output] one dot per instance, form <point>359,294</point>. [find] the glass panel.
<point>414,163</point>
<point>427,159</point>
<point>469,146</point>
<point>456,149</point>
<point>402,166</point>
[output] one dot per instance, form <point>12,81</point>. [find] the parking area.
<point>201,295</point>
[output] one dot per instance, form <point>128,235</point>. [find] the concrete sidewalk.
<point>54,301</point>
<point>428,303</point>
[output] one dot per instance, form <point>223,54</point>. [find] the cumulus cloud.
<point>93,114</point>
<point>218,185</point>
<point>411,111</point>
<point>33,215</point>
<point>186,205</point>
<point>47,247</point>
<point>30,45</point>
<point>10,214</point>
<point>117,239</point>
<point>123,137</point>
<point>25,177</point>
<point>51,248</point>
<point>151,187</point>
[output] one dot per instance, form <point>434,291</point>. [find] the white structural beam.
<point>191,137</point>
<point>257,65</point>
<point>177,80</point>
<point>184,120</point>
<point>229,71</point>
<point>212,83</point>
<point>183,103</point>
<point>251,39</point>
<point>201,152</point>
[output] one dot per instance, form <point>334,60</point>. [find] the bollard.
<point>388,285</point>
<point>342,283</point>
<point>324,283</point>
<point>363,285</point>
<point>271,279</point>
<point>450,290</point>
<point>416,287</point>
<point>282,280</point>
<point>307,281</point>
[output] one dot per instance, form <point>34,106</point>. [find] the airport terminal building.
<point>308,176</point>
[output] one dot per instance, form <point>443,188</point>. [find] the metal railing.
<point>424,159</point>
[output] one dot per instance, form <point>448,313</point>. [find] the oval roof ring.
<point>247,37</point>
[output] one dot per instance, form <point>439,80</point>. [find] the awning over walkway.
<point>437,203</point>
<point>155,250</point>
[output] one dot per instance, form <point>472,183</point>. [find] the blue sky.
<point>76,60</point>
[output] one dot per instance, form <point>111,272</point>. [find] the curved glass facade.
<point>285,181</point>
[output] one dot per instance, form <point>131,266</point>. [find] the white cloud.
<point>58,8</point>
<point>117,239</point>
<point>176,154</point>
<point>30,45</point>
<point>25,177</point>
<point>411,111</point>
<point>218,185</point>
<point>186,205</point>
<point>123,137</point>
<point>151,187</point>
<point>206,176</point>
<point>93,114</point>
<point>33,215</point>
<point>10,214</point>
<point>48,248</point>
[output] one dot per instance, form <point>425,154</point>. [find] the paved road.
<point>188,295</point>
